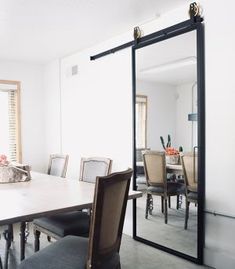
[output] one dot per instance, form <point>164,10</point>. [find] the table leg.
<point>1,263</point>
<point>22,240</point>
<point>8,235</point>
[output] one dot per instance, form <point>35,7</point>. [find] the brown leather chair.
<point>101,250</point>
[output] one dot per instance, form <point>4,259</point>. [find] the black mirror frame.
<point>194,24</point>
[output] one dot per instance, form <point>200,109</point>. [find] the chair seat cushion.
<point>69,252</point>
<point>192,196</point>
<point>72,223</point>
<point>172,188</point>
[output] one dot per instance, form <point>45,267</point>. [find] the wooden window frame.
<point>18,116</point>
<point>146,115</point>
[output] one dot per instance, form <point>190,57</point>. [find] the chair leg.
<point>165,209</point>
<point>169,201</point>
<point>1,263</point>
<point>22,240</point>
<point>26,231</point>
<point>150,204</point>
<point>186,215</point>
<point>147,206</point>
<point>36,240</point>
<point>162,201</point>
<point>8,235</point>
<point>119,266</point>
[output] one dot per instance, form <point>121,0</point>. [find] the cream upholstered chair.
<point>92,167</point>
<point>101,250</point>
<point>140,176</point>
<point>76,222</point>
<point>58,164</point>
<point>155,172</point>
<point>190,163</point>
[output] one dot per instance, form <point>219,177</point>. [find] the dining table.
<point>43,196</point>
<point>170,168</point>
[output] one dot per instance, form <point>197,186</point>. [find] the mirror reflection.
<point>166,143</point>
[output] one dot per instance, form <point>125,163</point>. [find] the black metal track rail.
<point>185,25</point>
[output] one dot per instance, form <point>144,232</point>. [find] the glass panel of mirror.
<point>166,143</point>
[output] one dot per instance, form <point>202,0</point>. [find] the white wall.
<point>161,101</point>
<point>32,109</point>
<point>220,132</point>
<point>96,109</point>
<point>103,88</point>
<point>184,127</point>
<point>51,81</point>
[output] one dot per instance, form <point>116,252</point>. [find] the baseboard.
<point>219,259</point>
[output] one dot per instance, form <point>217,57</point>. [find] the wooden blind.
<point>12,110</point>
<point>12,89</point>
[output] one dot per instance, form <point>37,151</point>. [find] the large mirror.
<point>167,138</point>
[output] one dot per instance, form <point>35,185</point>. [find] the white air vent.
<point>74,70</point>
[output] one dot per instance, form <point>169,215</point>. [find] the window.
<point>141,121</point>
<point>10,140</point>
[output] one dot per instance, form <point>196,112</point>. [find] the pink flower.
<point>3,160</point>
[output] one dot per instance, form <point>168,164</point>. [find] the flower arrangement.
<point>172,154</point>
<point>10,173</point>
<point>3,160</point>
<point>171,151</point>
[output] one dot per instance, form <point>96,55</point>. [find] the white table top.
<point>168,166</point>
<point>45,195</point>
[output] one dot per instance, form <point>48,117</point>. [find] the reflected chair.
<point>58,164</point>
<point>101,250</point>
<point>189,163</point>
<point>155,172</point>
<point>140,176</point>
<point>76,222</point>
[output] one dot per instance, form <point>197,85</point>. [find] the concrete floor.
<point>133,255</point>
<point>172,234</point>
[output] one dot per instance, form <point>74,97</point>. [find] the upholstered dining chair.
<point>101,250</point>
<point>76,222</point>
<point>189,163</point>
<point>58,164</point>
<point>155,172</point>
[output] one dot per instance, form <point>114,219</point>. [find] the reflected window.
<point>141,121</point>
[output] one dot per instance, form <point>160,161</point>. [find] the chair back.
<point>95,166</point>
<point>155,167</point>
<point>139,154</point>
<point>108,212</point>
<point>58,164</point>
<point>190,168</point>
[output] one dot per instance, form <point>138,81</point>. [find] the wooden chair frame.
<point>165,194</point>
<point>107,161</point>
<point>38,229</point>
<point>95,258</point>
<point>188,200</point>
<point>59,156</point>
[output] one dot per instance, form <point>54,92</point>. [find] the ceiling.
<point>41,30</point>
<point>171,62</point>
